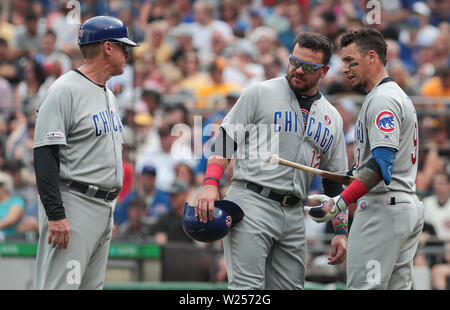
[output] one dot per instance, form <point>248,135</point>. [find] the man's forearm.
<point>222,151</point>
<point>217,159</point>
<point>46,166</point>
<point>215,170</point>
<point>369,178</point>
<point>340,223</point>
<point>14,215</point>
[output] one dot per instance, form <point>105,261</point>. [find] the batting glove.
<point>328,209</point>
<point>352,171</point>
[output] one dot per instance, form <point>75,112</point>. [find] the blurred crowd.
<point>194,60</point>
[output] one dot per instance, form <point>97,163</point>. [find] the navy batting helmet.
<point>226,214</point>
<point>103,28</point>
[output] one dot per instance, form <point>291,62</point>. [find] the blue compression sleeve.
<point>385,157</point>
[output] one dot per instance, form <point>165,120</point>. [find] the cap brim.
<point>127,42</point>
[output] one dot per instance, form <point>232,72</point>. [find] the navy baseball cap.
<point>257,12</point>
<point>148,169</point>
<point>104,28</point>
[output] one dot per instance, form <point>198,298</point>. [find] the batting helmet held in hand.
<point>226,214</point>
<point>103,28</point>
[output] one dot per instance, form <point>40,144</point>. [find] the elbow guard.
<point>385,157</point>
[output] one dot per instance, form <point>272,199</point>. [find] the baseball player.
<point>389,217</point>
<point>268,247</point>
<point>78,162</point>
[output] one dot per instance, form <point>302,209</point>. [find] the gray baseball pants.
<point>82,265</point>
<point>383,240</point>
<point>268,247</point>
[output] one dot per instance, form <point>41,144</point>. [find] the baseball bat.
<point>335,177</point>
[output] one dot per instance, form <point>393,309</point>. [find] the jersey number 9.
<point>414,153</point>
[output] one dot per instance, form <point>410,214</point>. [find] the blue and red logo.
<point>228,220</point>
<point>305,114</point>
<point>385,121</point>
<point>328,119</point>
<point>363,205</point>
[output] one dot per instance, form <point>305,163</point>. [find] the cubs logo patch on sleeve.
<point>385,121</point>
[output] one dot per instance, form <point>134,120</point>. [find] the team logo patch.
<point>385,121</point>
<point>54,134</point>
<point>228,220</point>
<point>363,205</point>
<point>305,114</point>
<point>328,119</point>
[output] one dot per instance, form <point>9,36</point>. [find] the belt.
<point>284,200</point>
<point>94,191</point>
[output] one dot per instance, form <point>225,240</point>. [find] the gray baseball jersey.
<point>82,118</point>
<point>389,219</point>
<point>275,122</point>
<point>268,247</point>
<point>388,119</point>
<point>84,121</point>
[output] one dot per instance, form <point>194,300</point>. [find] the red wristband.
<point>213,174</point>
<point>354,191</point>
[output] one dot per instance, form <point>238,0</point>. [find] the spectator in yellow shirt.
<point>438,86</point>
<point>218,87</point>
<point>193,78</point>
<point>156,41</point>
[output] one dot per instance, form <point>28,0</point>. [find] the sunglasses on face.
<point>125,47</point>
<point>307,67</point>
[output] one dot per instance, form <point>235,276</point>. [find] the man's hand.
<point>204,205</point>
<point>328,208</point>
<point>59,233</point>
<point>338,250</point>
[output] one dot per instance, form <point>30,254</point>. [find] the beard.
<point>308,84</point>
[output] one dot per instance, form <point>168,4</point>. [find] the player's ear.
<point>324,71</point>
<point>372,57</point>
<point>107,48</point>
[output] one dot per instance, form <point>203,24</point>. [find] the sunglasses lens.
<point>294,63</point>
<point>124,47</point>
<point>308,68</point>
